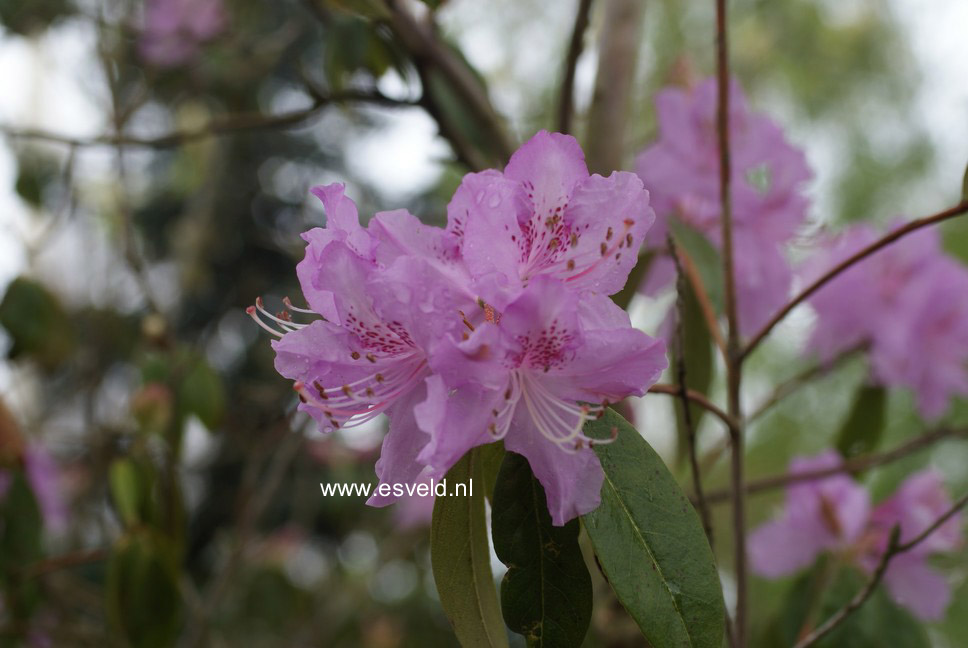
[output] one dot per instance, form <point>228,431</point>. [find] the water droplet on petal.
<point>480,197</point>
<point>494,201</point>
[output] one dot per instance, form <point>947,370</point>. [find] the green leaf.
<point>705,257</point>
<point>964,185</point>
<point>127,490</point>
<point>818,595</point>
<point>201,393</point>
<point>546,594</point>
<point>491,455</point>
<point>651,545</point>
<point>21,525</point>
<point>369,9</point>
<point>143,600</point>
<point>698,352</point>
<point>864,427</point>
<point>37,323</point>
<point>461,563</point>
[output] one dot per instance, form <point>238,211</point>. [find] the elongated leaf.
<point>698,354</point>
<point>864,427</point>
<point>651,545</point>
<point>546,594</point>
<point>461,561</point>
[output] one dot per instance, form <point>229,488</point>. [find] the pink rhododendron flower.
<point>497,327</point>
<point>546,216</point>
<point>526,380</point>
<point>911,581</point>
<point>908,301</point>
<point>819,515</point>
<point>832,514</point>
<point>174,30</point>
<point>681,172</point>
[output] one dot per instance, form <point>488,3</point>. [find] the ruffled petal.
<point>398,462</point>
<point>572,481</point>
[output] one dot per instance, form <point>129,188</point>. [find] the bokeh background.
<point>189,502</point>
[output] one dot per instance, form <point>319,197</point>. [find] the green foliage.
<point>143,599</point>
<point>37,323</point>
<point>21,528</point>
<point>34,174</point>
<point>864,427</point>
<point>461,560</point>
<point>128,491</point>
<point>201,393</point>
<point>546,594</point>
<point>818,595</point>
<point>31,18</point>
<point>651,545</point>
<point>698,358</point>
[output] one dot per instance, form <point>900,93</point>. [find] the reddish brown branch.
<point>883,242</point>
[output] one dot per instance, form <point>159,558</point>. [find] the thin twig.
<point>424,43</point>
<point>687,422</point>
<point>894,548</point>
<point>65,561</point>
<point>791,385</point>
<point>857,464</point>
<point>699,399</point>
<point>566,98</point>
<point>883,242</point>
<point>734,357</point>
<point>859,599</point>
<point>239,122</point>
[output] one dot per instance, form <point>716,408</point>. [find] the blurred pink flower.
<point>827,514</point>
<point>681,172</point>
<point>908,301</point>
<point>911,581</point>
<point>832,514</point>
<point>174,30</point>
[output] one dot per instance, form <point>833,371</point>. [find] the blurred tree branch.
<point>427,49</point>
<point>224,125</point>
<point>857,464</point>
<point>566,97</point>
<point>894,548</point>
<point>611,102</point>
<point>884,241</point>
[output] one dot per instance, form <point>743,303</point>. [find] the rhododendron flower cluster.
<point>681,172</point>
<point>174,30</point>
<point>497,327</point>
<point>834,514</point>
<point>907,302</point>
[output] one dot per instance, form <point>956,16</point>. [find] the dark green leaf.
<point>143,600</point>
<point>864,427</point>
<point>705,257</point>
<point>964,185</point>
<point>546,594</point>
<point>37,323</point>
<point>698,352</point>
<point>491,455</point>
<point>202,394</point>
<point>651,545</point>
<point>127,490</point>
<point>461,561</point>
<point>22,525</point>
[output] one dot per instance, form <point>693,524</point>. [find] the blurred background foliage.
<point>193,510</point>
